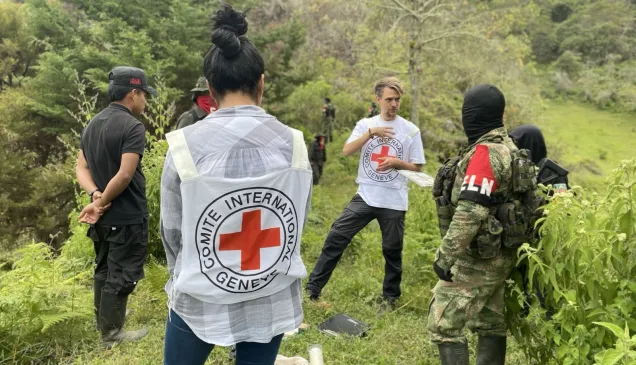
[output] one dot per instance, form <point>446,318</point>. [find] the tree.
<point>427,22</point>
<point>18,51</point>
<point>46,44</point>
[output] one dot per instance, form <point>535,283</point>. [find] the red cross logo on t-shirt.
<point>250,240</point>
<point>379,157</point>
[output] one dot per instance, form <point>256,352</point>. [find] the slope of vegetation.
<point>588,142</point>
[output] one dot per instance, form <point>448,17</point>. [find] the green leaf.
<point>595,313</point>
<point>618,332</point>
<point>626,225</point>
<point>611,357</point>
<point>50,320</point>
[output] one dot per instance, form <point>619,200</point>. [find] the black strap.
<point>195,116</point>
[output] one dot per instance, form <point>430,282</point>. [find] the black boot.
<point>491,350</point>
<point>112,317</point>
<point>453,353</point>
<point>98,285</point>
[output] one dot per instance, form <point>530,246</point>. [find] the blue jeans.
<point>183,347</point>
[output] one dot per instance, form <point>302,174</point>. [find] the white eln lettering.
<point>471,184</point>
<point>465,183</point>
<point>486,186</point>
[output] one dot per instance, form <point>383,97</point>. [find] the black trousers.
<point>316,168</point>
<point>120,252</point>
<point>352,220</point>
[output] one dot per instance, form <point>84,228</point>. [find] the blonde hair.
<point>390,82</point>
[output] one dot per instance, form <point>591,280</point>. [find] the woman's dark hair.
<point>233,63</point>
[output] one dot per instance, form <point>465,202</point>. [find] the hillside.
<point>587,141</point>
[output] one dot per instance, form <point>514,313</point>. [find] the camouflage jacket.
<point>484,173</point>
<point>187,118</point>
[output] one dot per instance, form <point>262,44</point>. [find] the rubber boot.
<point>491,350</point>
<point>98,285</point>
<point>112,318</point>
<point>453,353</point>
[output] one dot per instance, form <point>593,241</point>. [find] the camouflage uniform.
<point>373,110</point>
<point>475,297</point>
<point>328,119</point>
<point>195,114</point>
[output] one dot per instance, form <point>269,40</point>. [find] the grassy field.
<point>587,141</point>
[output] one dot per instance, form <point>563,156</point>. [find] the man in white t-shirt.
<point>387,143</point>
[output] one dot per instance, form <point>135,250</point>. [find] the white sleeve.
<point>416,150</point>
<point>361,127</point>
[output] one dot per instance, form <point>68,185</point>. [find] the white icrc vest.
<point>377,148</point>
<point>240,237</point>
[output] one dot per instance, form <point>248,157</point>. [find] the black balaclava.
<point>529,137</point>
<point>482,111</point>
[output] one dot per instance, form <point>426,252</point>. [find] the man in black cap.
<point>203,105</point>
<point>109,169</point>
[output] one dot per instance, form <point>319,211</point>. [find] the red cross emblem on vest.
<point>250,240</point>
<point>379,157</point>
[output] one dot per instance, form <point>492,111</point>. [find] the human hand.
<point>382,132</point>
<point>91,213</point>
<point>388,163</point>
<point>443,274</point>
<point>96,195</point>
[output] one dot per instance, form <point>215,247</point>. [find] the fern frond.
<point>50,320</point>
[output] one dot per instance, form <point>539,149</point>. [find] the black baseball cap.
<point>131,77</point>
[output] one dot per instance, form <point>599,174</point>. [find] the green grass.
<point>587,141</point>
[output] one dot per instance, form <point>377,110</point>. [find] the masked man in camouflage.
<point>476,193</point>
<point>203,104</point>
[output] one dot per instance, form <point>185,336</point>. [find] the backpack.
<point>515,214</point>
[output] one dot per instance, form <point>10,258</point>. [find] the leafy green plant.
<point>585,265</point>
<point>624,352</point>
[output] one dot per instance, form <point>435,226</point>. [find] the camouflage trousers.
<point>475,299</point>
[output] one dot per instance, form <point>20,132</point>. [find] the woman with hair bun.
<point>235,191</point>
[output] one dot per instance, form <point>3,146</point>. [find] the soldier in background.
<point>474,195</point>
<point>318,157</point>
<point>203,105</point>
<point>529,137</point>
<point>328,118</point>
<point>549,173</point>
<point>373,110</point>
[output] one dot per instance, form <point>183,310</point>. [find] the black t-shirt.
<point>111,133</point>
